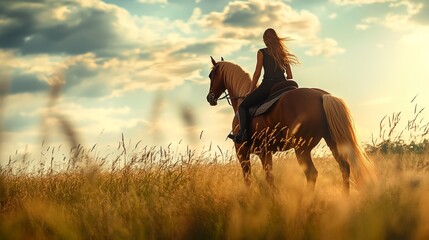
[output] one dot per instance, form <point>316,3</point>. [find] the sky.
<point>139,67</point>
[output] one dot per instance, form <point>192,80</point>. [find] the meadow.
<point>160,193</point>
<point>154,192</point>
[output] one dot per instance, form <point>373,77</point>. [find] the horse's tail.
<point>343,134</point>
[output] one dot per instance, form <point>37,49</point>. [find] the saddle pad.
<point>260,109</point>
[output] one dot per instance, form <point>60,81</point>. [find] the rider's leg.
<point>256,97</point>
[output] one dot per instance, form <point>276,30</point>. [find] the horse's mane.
<point>236,79</point>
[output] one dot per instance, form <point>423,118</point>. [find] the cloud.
<point>153,1</point>
<point>41,65</point>
<point>326,47</point>
<point>359,2</point>
<point>361,26</point>
<point>26,83</point>
<point>18,122</point>
<point>422,16</point>
<point>34,73</point>
<point>197,48</point>
<point>108,54</point>
<point>333,16</point>
<point>87,75</point>
<point>402,16</point>
<point>248,20</point>
<point>16,105</point>
<point>100,44</point>
<point>218,45</point>
<point>365,23</point>
<point>71,27</point>
<point>90,119</point>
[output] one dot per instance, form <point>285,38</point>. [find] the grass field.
<point>159,194</point>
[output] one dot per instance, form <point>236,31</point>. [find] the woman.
<point>276,60</point>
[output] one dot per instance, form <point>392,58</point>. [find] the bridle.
<point>225,92</point>
<point>229,98</point>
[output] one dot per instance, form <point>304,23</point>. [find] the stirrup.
<point>231,136</point>
<point>239,138</point>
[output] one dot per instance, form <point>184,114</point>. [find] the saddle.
<point>277,91</point>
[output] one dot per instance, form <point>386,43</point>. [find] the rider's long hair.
<point>278,50</point>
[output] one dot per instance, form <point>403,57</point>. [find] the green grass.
<point>162,195</point>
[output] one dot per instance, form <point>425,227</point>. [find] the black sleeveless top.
<point>271,72</point>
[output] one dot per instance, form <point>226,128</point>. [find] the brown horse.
<point>298,120</point>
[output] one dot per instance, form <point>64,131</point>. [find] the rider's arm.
<point>257,73</point>
<point>289,72</point>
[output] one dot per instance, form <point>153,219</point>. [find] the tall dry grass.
<point>163,194</point>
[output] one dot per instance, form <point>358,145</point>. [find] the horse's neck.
<point>238,84</point>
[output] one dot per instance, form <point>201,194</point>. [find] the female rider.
<point>276,60</point>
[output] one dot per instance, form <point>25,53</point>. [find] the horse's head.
<point>217,86</point>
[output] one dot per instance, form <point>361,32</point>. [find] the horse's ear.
<point>213,61</point>
<point>221,58</point>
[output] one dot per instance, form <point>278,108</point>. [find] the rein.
<point>229,98</point>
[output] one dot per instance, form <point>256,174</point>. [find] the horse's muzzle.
<point>211,99</point>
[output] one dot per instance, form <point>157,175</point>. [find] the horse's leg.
<point>344,165</point>
<point>267,163</point>
<point>243,156</point>
<point>305,161</point>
